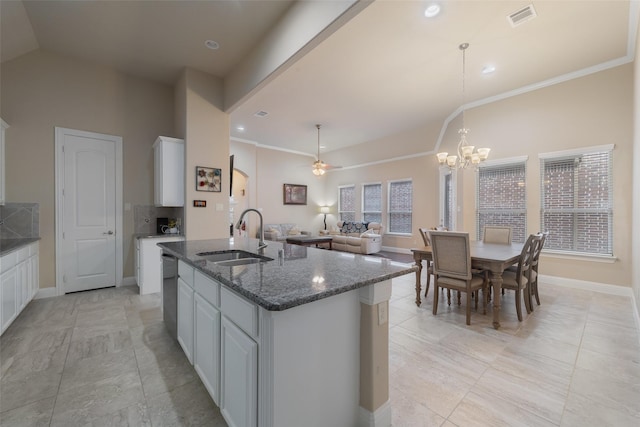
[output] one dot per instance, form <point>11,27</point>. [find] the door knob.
<point>108,232</point>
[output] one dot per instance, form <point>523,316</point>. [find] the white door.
<point>87,209</point>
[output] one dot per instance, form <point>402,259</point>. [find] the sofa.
<point>357,237</point>
<point>280,232</point>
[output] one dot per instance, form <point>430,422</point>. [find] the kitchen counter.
<point>9,245</point>
<point>253,331</point>
<point>156,235</point>
<point>304,275</point>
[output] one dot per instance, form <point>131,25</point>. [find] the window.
<point>447,199</point>
<point>347,203</point>
<point>400,205</point>
<point>372,202</point>
<point>501,198</point>
<point>577,200</point>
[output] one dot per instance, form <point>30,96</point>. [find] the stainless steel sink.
<point>233,257</point>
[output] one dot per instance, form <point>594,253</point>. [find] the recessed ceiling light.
<point>488,69</point>
<point>213,45</point>
<point>240,128</point>
<point>432,10</point>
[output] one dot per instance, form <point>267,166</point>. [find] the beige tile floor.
<point>103,358</point>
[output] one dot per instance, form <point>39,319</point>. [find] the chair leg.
<point>459,295</point>
<point>476,297</point>
<point>448,296</point>
<point>435,297</point>
<point>426,290</point>
<point>468,307</point>
<point>535,291</point>
<point>484,300</point>
<point>519,305</point>
<point>527,299</point>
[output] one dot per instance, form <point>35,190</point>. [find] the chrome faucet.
<point>261,243</point>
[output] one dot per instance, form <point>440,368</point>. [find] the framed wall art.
<point>208,179</point>
<point>295,194</point>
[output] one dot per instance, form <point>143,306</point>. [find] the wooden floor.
<point>103,358</point>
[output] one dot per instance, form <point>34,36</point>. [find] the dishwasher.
<point>170,293</point>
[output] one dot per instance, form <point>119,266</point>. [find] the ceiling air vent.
<point>521,16</point>
<point>261,113</point>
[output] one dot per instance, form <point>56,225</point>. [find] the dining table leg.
<point>418,261</point>
<point>496,282</point>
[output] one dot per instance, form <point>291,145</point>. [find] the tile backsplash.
<point>144,217</point>
<point>19,220</point>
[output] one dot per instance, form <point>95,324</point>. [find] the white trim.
<point>376,293</point>
<point>584,285</point>
<point>59,180</point>
<point>578,256</point>
<point>397,250</point>
<point>577,151</point>
<point>46,293</point>
<point>272,147</point>
<point>503,162</point>
<point>128,281</point>
<point>381,417</point>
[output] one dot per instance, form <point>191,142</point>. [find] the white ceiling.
<point>389,69</point>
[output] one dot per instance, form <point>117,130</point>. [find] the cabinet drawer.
<point>207,288</point>
<point>240,311</point>
<point>185,271</point>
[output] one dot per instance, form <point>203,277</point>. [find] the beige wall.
<point>41,91</point>
<point>635,231</point>
<point>589,111</point>
<point>207,144</point>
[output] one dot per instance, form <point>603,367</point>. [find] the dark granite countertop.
<point>9,245</point>
<point>155,235</point>
<point>304,275</point>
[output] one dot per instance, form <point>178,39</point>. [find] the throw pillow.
<point>294,231</point>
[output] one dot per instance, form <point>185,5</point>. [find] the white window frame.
<point>566,154</point>
<point>389,213</point>
<point>444,172</point>
<point>340,211</point>
<point>362,204</point>
<point>508,162</point>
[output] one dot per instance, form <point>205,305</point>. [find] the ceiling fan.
<point>320,167</point>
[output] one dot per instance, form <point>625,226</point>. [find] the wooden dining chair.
<point>519,279</point>
<point>533,287</point>
<point>496,234</point>
<point>452,268</point>
<point>427,242</point>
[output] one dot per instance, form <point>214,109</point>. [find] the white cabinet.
<point>185,309</point>
<point>149,263</point>
<point>3,126</point>
<point>9,296</point>
<point>168,155</point>
<point>206,358</point>
<point>239,377</point>
<point>19,282</point>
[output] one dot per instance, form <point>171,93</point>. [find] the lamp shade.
<point>325,209</point>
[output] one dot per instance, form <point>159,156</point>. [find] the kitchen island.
<point>301,339</point>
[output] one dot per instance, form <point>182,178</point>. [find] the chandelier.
<point>465,154</point>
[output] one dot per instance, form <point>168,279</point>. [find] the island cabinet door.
<point>185,318</point>
<point>206,358</point>
<point>239,377</point>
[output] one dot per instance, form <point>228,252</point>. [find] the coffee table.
<point>310,240</point>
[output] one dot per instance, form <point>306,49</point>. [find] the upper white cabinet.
<point>168,154</point>
<point>3,126</point>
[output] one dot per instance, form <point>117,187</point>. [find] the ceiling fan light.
<point>318,171</point>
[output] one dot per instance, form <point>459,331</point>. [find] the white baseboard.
<point>128,281</point>
<point>46,293</point>
<point>397,250</point>
<point>380,418</point>
<point>603,288</point>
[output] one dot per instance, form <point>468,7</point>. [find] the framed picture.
<point>295,194</point>
<point>208,179</point>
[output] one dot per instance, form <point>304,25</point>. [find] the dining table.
<point>494,257</point>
